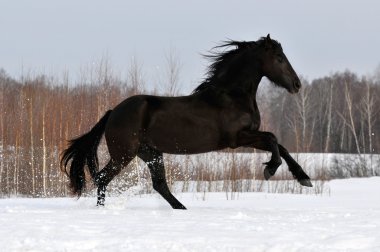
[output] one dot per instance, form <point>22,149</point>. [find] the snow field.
<point>346,220</point>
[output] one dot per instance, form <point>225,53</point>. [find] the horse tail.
<point>82,151</point>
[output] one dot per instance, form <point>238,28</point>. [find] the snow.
<point>348,219</point>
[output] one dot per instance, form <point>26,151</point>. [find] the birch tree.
<point>369,113</point>
<point>350,122</point>
<point>329,117</point>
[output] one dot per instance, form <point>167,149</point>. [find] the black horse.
<point>221,112</point>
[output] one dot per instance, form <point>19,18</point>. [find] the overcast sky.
<point>319,37</point>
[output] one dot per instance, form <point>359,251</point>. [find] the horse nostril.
<point>297,84</point>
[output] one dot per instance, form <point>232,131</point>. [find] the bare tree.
<point>2,114</point>
<point>350,122</point>
<point>44,153</point>
<point>32,151</point>
<point>303,119</point>
<point>369,113</point>
<point>173,67</point>
<point>135,77</point>
<point>329,117</point>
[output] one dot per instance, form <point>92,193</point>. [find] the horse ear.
<point>268,42</point>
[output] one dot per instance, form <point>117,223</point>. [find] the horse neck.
<point>246,85</point>
<point>247,78</point>
<point>253,86</point>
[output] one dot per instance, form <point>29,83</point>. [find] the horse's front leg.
<point>294,167</point>
<point>264,141</point>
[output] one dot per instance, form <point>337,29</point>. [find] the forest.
<point>337,113</point>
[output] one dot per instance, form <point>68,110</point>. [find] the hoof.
<point>100,204</point>
<point>181,207</point>
<point>271,168</point>
<point>306,182</point>
<point>267,174</point>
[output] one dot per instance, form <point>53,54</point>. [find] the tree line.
<point>335,114</point>
<point>38,114</point>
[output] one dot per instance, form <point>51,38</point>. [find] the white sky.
<point>319,37</point>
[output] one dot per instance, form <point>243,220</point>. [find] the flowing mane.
<point>224,60</point>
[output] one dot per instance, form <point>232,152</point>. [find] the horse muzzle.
<point>296,86</point>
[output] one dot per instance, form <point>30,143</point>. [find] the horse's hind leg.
<point>294,167</point>
<point>155,162</point>
<point>104,177</point>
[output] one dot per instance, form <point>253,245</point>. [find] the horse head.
<point>276,66</point>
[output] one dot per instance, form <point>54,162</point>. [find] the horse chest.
<point>256,120</point>
<point>235,122</point>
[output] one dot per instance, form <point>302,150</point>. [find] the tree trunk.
<point>32,147</point>
<point>329,112</point>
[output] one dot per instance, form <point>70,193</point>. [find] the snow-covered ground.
<point>346,220</point>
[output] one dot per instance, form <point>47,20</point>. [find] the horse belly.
<point>183,136</point>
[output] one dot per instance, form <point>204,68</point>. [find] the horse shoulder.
<point>242,112</point>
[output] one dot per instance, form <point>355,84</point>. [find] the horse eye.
<point>280,58</point>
